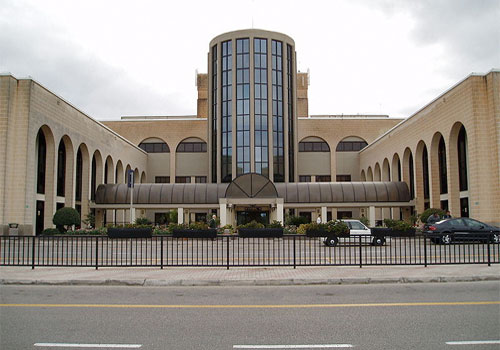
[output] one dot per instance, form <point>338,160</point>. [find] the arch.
<point>369,174</point>
<point>363,176</point>
<point>438,178</point>
<point>136,176</point>
<point>408,171</point>
<point>119,173</point>
<point>396,174</point>
<point>251,185</point>
<point>422,186</point>
<point>97,173</point>
<point>127,169</point>
<point>109,174</point>
<point>458,178</point>
<point>376,172</point>
<point>143,177</point>
<point>191,145</point>
<point>386,170</point>
<point>313,144</point>
<point>351,144</point>
<point>82,187</point>
<point>45,153</point>
<point>154,145</point>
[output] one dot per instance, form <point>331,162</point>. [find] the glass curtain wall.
<point>214,114</point>
<point>242,106</point>
<point>260,107</point>
<point>226,112</point>
<point>291,140</point>
<point>278,123</point>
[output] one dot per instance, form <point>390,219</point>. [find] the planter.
<point>187,233</point>
<point>260,232</point>
<point>131,232</point>
<point>324,233</point>
<point>389,232</point>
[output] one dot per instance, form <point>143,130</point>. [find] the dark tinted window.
<point>314,146</point>
<point>154,147</point>
<point>351,146</point>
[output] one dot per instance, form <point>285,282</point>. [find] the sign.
<point>130,179</point>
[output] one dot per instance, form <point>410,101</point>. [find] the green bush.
<point>425,215</point>
<point>161,231</point>
<point>65,217</point>
<point>143,222</point>
<point>296,220</point>
<point>252,224</point>
<point>397,225</point>
<point>227,227</point>
<point>275,224</point>
<point>198,226</point>
<point>337,227</point>
<point>173,216</point>
<point>364,220</point>
<point>50,232</point>
<point>174,226</point>
<point>89,232</point>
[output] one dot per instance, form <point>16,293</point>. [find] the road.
<point>390,316</point>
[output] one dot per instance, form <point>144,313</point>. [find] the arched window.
<point>351,145</point>
<point>462,159</point>
<point>412,177</point>
<point>42,158</point>
<point>93,179</point>
<point>79,175</point>
<point>153,145</point>
<point>61,169</point>
<point>425,172</point>
<point>443,173</point>
<point>314,145</point>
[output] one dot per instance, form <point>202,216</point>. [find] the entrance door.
<point>246,216</point>
<point>40,208</point>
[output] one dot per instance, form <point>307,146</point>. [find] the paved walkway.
<point>247,276</point>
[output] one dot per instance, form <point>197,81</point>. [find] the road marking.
<point>70,345</point>
<point>319,346</point>
<point>285,306</point>
<point>473,342</point>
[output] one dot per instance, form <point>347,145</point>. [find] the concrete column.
<point>371,216</point>
<point>99,218</point>
<point>323,215</point>
<point>223,214</point>
<point>279,213</point>
<point>334,213</point>
<point>180,216</point>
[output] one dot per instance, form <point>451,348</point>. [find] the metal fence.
<point>233,251</point>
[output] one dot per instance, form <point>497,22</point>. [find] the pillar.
<point>223,214</point>
<point>180,216</point>
<point>323,215</point>
<point>371,216</point>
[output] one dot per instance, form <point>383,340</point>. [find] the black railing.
<point>233,251</point>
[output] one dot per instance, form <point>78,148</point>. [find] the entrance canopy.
<point>253,187</point>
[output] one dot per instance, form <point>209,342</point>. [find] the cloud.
<point>32,46</point>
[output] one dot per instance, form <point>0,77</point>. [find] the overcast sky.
<point>115,58</point>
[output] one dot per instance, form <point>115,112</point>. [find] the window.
<point>200,179</point>
<point>343,178</point>
<point>277,111</point>
<point>323,178</point>
<point>291,142</point>
<point>162,179</point>
<point>314,146</point>
<point>425,172</point>
<point>42,155</point>
<point>192,147</point>
<point>154,147</point>
<point>79,175</point>
<point>161,218</point>
<point>304,178</point>
<point>61,169</point>
<point>260,107</point>
<point>351,146</point>
<point>200,217</point>
<point>344,215</point>
<point>242,106</point>
<point>226,111</point>
<point>183,179</point>
<point>443,172</point>
<point>356,225</point>
<point>462,159</point>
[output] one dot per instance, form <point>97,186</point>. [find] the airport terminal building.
<point>252,151</point>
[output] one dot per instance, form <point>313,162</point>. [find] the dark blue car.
<point>462,229</point>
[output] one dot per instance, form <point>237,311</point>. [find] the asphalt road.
<point>392,316</point>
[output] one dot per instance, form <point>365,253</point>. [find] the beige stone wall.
<point>313,163</point>
<point>302,84</point>
<point>31,108</point>
<point>172,131</point>
<point>202,104</point>
<point>336,128</point>
<point>473,103</point>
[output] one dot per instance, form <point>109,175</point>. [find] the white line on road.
<point>318,346</point>
<point>473,342</point>
<point>69,345</point>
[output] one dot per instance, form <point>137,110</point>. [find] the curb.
<point>270,282</point>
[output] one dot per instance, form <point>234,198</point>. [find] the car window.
<point>457,222</point>
<point>357,226</point>
<point>473,223</point>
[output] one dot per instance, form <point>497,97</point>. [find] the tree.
<point>65,217</point>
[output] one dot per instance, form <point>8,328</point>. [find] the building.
<point>251,152</point>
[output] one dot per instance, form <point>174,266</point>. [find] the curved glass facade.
<point>261,111</point>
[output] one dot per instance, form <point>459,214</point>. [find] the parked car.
<point>356,227</point>
<point>462,229</point>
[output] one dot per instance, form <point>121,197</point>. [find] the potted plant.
<point>194,230</point>
<point>394,228</point>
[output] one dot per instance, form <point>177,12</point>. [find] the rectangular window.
<point>242,106</point>
<point>200,179</point>
<point>214,114</point>
<point>343,178</point>
<point>226,82</point>
<point>277,111</point>
<point>192,147</point>
<point>260,107</point>
<point>291,139</point>
<point>323,178</point>
<point>304,178</point>
<point>162,179</point>
<point>183,179</point>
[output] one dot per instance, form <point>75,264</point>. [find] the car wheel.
<point>331,241</point>
<point>378,241</point>
<point>446,239</point>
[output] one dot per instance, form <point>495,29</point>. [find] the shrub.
<point>172,216</point>
<point>275,224</point>
<point>174,226</point>
<point>198,226</point>
<point>50,232</point>
<point>252,224</point>
<point>425,215</point>
<point>90,220</point>
<point>332,227</point>
<point>296,220</point>
<point>227,227</point>
<point>397,225</point>
<point>337,227</point>
<point>364,220</point>
<point>65,217</point>
<point>143,222</point>
<point>161,231</point>
<point>90,232</point>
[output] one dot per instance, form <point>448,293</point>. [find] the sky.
<point>121,58</point>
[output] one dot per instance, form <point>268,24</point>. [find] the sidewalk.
<point>246,276</point>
